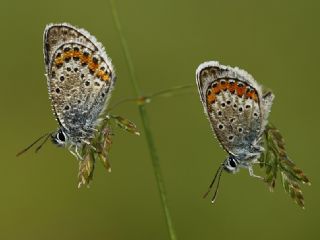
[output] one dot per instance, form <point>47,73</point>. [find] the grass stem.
<point>146,126</point>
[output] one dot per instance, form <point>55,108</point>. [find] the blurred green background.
<point>276,41</point>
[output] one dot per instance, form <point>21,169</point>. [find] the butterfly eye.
<point>61,136</point>
<point>232,163</point>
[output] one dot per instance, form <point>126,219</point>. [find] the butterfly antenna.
<point>216,191</point>
<point>218,173</point>
<point>44,141</point>
<point>31,145</point>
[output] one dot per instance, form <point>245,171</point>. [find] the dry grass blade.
<point>105,144</point>
<point>125,124</point>
<point>275,159</point>
<point>99,147</point>
<point>86,168</point>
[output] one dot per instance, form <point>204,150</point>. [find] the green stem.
<point>146,126</point>
<point>157,170</point>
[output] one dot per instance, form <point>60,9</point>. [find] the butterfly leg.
<point>75,153</point>
<point>94,129</point>
<point>252,174</point>
<point>89,144</point>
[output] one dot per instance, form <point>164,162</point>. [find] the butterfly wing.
<point>80,77</point>
<point>233,102</point>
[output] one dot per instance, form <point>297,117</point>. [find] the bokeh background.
<point>276,41</point>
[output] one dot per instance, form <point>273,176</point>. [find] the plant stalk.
<point>146,126</point>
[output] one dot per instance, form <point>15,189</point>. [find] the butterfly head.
<point>231,164</point>
<point>59,138</point>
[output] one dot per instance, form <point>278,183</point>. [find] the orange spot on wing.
<point>102,75</point>
<point>92,66</point>
<point>252,94</point>
<point>68,54</point>
<point>105,77</point>
<point>77,54</point>
<point>59,60</point>
<point>249,93</point>
<point>223,85</point>
<point>84,58</point>
<point>240,89</point>
<point>216,89</point>
<point>211,98</point>
<point>232,86</point>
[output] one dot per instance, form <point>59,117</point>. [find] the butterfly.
<point>238,113</point>
<point>80,79</point>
